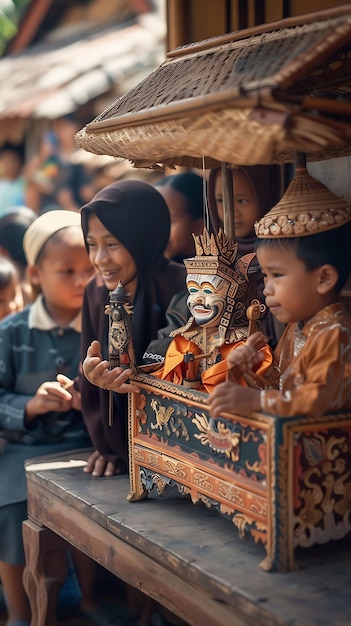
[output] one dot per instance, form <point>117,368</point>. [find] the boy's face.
<point>63,273</point>
<point>110,257</point>
<point>245,206</point>
<point>291,292</point>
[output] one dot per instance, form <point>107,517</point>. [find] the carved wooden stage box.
<point>283,481</point>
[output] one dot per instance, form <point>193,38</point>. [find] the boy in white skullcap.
<point>37,415</point>
<point>303,251</point>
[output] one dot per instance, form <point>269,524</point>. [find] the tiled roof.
<point>55,77</point>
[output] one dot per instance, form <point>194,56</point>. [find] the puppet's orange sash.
<point>174,366</point>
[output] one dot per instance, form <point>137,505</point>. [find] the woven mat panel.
<point>237,136</point>
<point>274,59</point>
<point>336,72</point>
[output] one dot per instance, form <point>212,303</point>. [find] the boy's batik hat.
<point>44,227</point>
<point>306,208</point>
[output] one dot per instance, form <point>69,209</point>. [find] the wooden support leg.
<point>45,571</point>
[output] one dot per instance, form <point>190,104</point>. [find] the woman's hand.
<point>98,372</point>
<point>97,465</point>
<point>50,396</point>
<point>230,397</point>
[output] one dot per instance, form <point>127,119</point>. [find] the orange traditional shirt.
<point>313,366</point>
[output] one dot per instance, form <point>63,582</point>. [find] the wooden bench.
<point>185,556</point>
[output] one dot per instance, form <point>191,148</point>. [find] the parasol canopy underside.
<point>250,97</point>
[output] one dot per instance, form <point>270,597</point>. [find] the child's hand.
<point>248,356</point>
<point>68,384</point>
<point>49,397</point>
<point>98,372</point>
<point>230,397</point>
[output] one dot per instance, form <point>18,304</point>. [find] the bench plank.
<point>188,557</point>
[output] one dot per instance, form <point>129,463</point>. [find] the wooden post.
<point>228,202</point>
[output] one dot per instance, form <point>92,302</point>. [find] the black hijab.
<point>137,215</point>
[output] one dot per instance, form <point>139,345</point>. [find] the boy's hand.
<point>230,397</point>
<point>68,384</point>
<point>98,372</point>
<point>248,355</point>
<point>97,465</point>
<point>49,397</point>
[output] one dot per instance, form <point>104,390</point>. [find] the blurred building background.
<point>76,57</point>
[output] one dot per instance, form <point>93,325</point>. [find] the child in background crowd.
<point>303,252</point>
<point>256,188</point>
<point>37,415</point>
<point>11,298</point>
<point>184,196</point>
<point>13,225</point>
<point>12,181</point>
<point>55,180</point>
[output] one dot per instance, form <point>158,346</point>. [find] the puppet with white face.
<point>207,298</point>
<point>220,289</point>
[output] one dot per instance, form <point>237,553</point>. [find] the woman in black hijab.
<point>126,229</point>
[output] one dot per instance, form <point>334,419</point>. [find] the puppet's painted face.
<point>207,298</point>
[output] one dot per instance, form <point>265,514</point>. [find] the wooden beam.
<point>273,10</point>
<point>29,26</point>
<point>178,23</point>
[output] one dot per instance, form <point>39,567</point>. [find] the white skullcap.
<point>43,228</point>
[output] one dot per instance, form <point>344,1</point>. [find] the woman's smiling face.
<point>110,257</point>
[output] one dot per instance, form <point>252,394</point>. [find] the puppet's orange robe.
<point>174,367</point>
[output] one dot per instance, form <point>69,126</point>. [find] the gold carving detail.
<point>153,460</point>
<point>175,468</point>
<point>223,440</point>
<point>325,492</point>
<point>201,481</point>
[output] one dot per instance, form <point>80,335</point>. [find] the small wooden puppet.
<point>221,292</point>
<point>120,345</point>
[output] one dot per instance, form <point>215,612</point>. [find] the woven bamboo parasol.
<point>250,97</point>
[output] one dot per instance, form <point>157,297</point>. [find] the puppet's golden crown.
<point>219,246</point>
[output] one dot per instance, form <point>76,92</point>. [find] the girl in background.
<point>256,188</point>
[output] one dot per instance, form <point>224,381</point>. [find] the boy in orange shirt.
<point>303,252</point>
